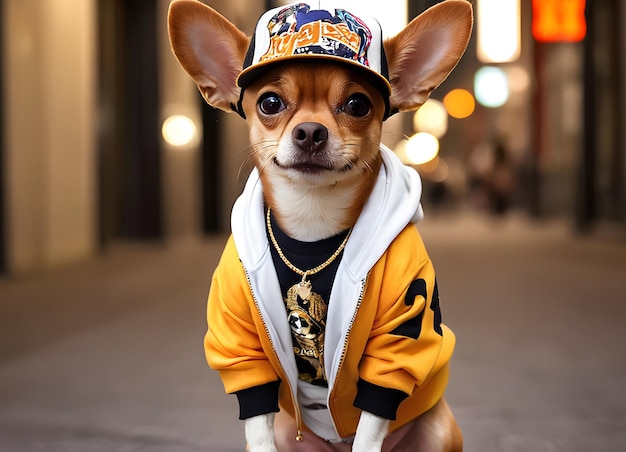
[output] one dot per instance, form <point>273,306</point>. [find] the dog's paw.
<point>260,433</point>
<point>370,433</point>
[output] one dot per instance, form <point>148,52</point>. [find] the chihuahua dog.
<point>323,312</point>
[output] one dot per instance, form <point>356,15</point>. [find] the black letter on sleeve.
<point>413,327</point>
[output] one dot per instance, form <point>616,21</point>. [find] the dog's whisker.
<point>264,164</point>
<point>247,155</point>
<point>252,153</point>
<point>261,146</point>
<point>244,163</point>
<point>357,158</point>
<point>368,166</point>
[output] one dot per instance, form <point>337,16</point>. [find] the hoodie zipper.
<point>299,436</point>
<point>345,342</point>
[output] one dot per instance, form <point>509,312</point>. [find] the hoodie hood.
<point>394,203</point>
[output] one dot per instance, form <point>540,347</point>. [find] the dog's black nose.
<point>310,136</point>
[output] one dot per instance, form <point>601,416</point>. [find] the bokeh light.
<point>498,30</point>
<point>519,80</point>
<point>432,117</point>
<point>178,130</point>
<point>436,170</point>
<point>491,86</point>
<point>422,148</point>
<point>459,103</point>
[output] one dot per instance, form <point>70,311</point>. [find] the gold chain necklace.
<point>303,287</point>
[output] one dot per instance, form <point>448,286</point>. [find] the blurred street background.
<point>116,184</point>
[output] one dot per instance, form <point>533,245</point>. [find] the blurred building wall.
<point>622,60</point>
<point>49,131</point>
<point>180,170</point>
<point>602,176</point>
<point>53,118</point>
<point>559,118</point>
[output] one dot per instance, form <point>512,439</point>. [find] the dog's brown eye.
<point>271,104</point>
<point>357,105</point>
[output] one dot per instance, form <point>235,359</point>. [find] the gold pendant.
<point>304,289</point>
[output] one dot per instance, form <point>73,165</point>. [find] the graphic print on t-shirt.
<point>307,319</point>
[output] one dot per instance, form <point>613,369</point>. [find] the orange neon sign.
<point>559,20</point>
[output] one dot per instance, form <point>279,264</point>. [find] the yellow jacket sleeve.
<point>406,340</point>
<point>233,344</point>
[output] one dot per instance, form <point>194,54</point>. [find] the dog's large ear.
<point>210,49</point>
<point>422,55</point>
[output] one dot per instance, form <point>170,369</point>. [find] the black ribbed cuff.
<point>257,400</point>
<point>383,402</point>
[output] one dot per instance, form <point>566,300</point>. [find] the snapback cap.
<point>317,29</point>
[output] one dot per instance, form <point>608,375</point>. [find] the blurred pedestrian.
<point>500,181</point>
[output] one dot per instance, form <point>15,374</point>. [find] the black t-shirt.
<point>307,317</point>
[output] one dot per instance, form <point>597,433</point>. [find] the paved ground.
<point>107,356</point>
